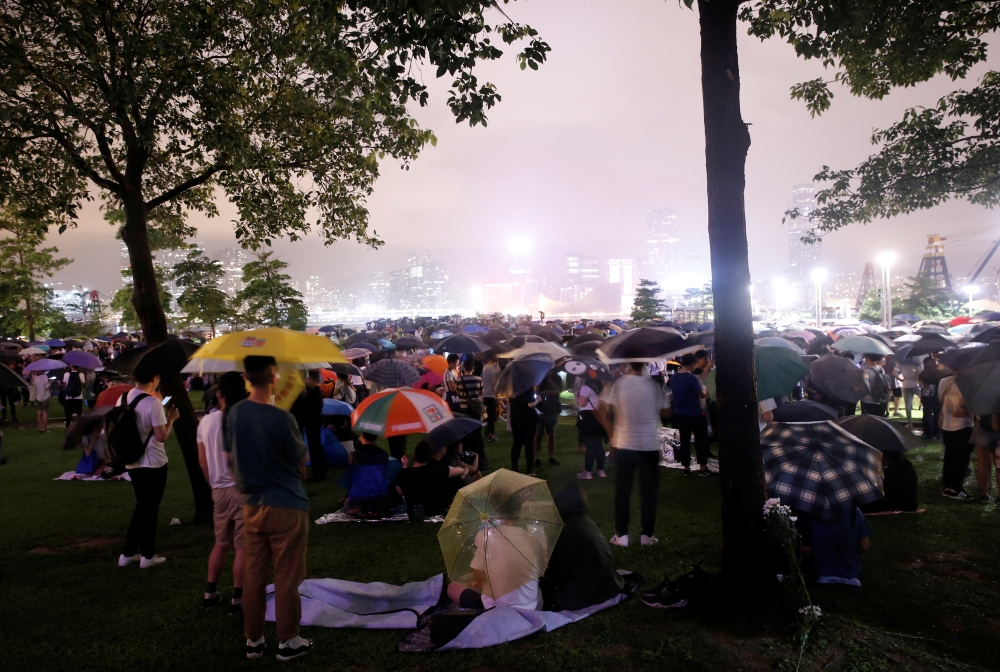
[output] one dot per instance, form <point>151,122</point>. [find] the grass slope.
<point>932,579</point>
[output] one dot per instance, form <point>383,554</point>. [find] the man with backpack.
<point>876,402</point>
<point>138,428</point>
<point>72,393</point>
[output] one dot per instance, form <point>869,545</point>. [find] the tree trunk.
<point>726,143</point>
<point>146,301</point>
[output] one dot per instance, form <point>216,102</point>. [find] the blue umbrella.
<point>473,329</point>
<point>387,344</point>
<point>55,343</point>
<point>336,407</point>
<point>82,360</point>
<point>522,374</point>
<point>906,317</point>
<point>442,333</point>
<point>44,365</point>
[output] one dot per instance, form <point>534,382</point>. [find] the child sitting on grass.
<point>92,463</point>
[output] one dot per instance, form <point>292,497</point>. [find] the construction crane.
<point>933,266</point>
<point>986,259</point>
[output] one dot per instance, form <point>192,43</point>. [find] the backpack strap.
<point>132,404</point>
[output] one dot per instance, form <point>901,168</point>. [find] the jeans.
<point>490,403</point>
<point>277,534</point>
<point>148,484</point>
<point>317,458</point>
<point>594,445</point>
<point>879,410</point>
<point>627,463</point>
<point>932,406</point>
<point>908,394</point>
<point>73,407</point>
<point>397,446</point>
<point>957,451</point>
<point>687,425</point>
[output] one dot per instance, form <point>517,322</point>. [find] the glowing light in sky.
<point>519,246</point>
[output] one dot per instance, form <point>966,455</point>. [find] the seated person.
<point>581,571</point>
<point>94,443</point>
<point>340,425</point>
<point>900,484</point>
<point>509,571</point>
<point>457,456</point>
<point>832,548</point>
<point>365,479</point>
<point>429,481</point>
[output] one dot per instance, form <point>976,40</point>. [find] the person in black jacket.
<point>308,412</point>
<point>899,483</point>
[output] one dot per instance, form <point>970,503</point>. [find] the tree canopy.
<point>200,300</point>
<point>948,150</point>
<point>268,297</point>
<point>648,306</point>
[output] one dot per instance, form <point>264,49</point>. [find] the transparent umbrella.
<point>500,532</point>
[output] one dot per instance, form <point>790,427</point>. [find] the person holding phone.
<point>149,473</point>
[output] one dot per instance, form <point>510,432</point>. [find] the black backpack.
<point>74,388</point>
<point>124,439</point>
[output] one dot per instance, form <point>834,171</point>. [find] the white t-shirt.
<point>83,382</point>
<point>589,398</point>
<point>210,434</point>
<point>951,401</point>
<point>637,401</point>
<point>762,407</point>
<point>910,372</point>
<point>497,554</point>
<point>149,413</point>
<point>41,384</point>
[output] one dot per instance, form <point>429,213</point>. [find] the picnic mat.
<point>395,517</point>
<point>670,439</point>
<point>73,476</point>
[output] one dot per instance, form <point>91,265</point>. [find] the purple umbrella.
<point>82,360</point>
<point>44,365</point>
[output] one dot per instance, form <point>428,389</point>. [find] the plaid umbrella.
<point>357,353</point>
<point>818,468</point>
<point>392,373</point>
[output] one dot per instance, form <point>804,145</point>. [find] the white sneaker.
<point>294,648</point>
<point>146,563</point>
<point>125,560</point>
<point>648,541</point>
<point>585,475</point>
<point>601,474</point>
<point>620,541</point>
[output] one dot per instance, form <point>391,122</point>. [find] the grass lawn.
<point>931,595</point>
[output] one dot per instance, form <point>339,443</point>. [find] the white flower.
<point>811,610</point>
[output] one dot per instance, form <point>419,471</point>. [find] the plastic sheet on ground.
<point>73,476</point>
<point>670,440</point>
<point>396,517</point>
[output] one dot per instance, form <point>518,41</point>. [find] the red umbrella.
<point>961,319</point>
<point>110,396</point>
<point>327,375</point>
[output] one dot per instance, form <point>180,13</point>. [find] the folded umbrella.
<point>82,360</point>
<point>523,374</point>
<point>453,430</point>
<point>818,468</point>
<point>646,344</point>
<point>462,343</point>
<point>803,411</point>
<point>336,407</point>
<point>880,433</point>
<point>980,382</point>
<point>44,365</point>
<point>392,373</point>
<point>862,345</point>
<point>838,378</point>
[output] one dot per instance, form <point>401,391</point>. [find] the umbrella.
<point>55,343</point>
<point>520,340</point>
<point>818,468</point>
<point>327,329</point>
<point>284,345</point>
<point>803,411</point>
<point>400,412</point>
<point>779,370</point>
<point>440,334</point>
<point>365,345</point>
<point>409,343</point>
<point>10,380</point>
<point>862,345</point>
<point>838,378</point>
<point>429,378</point>
<point>28,352</point>
<point>474,329</point>
<point>110,396</point>
<point>906,317</point>
<point>392,373</point>
<point>500,532</point>
<point>990,317</point>
<point>588,348</point>
<point>336,407</point>
<point>344,369</point>
<point>356,353</point>
<point>646,344</point>
<point>807,336</point>
<point>167,358</point>
<point>82,360</point>
<point>819,345</point>
<point>880,433</point>
<point>462,343</point>
<point>957,359</point>
<point>925,345</point>
<point>960,320</point>
<point>983,304</point>
<point>584,367</point>
<point>522,374</point>
<point>44,365</point>
<point>980,383</point>
<point>496,336</point>
<point>453,430</point>
<point>387,344</point>
<point>548,335</point>
<point>83,425</point>
<point>987,336</point>
<point>585,338</point>
<point>779,342</point>
<point>553,350</point>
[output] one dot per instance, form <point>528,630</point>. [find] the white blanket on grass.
<point>73,476</point>
<point>332,603</point>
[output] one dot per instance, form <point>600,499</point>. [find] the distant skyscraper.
<point>803,257</point>
<point>661,244</point>
<point>233,260</point>
<point>620,272</point>
<point>590,271</point>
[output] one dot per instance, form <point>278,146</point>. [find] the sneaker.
<point>531,472</point>
<point>209,602</point>
<point>620,541</point>
<point>125,560</point>
<point>294,648</point>
<point>686,472</point>
<point>554,461</point>
<point>705,472</point>
<point>585,475</point>
<point>255,649</point>
<point>235,608</point>
<point>492,439</point>
<point>538,463</point>
<point>146,563</point>
<point>601,474</point>
<point>953,494</point>
<point>648,541</point>
<point>985,499</point>
<point>663,601</point>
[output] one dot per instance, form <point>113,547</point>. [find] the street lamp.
<point>819,275</point>
<point>971,291</point>
<point>885,259</point>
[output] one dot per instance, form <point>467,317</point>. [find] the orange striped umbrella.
<point>396,412</point>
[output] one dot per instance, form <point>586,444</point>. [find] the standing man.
<point>72,386</point>
<point>41,393</point>
<point>10,397</point>
<point>689,417</point>
<point>267,457</point>
<point>908,373</point>
<point>490,373</point>
<point>637,404</point>
<point>876,402</point>
<point>226,499</point>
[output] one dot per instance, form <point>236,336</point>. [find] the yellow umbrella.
<point>500,532</point>
<point>285,345</point>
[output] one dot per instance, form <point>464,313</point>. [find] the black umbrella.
<point>925,346</point>
<point>931,330</point>
<point>167,358</point>
<point>370,347</point>
<point>345,369</point>
<point>392,373</point>
<point>327,329</point>
<point>820,345</point>
<point>987,336</point>
<point>880,433</point>
<point>587,348</point>
<point>585,338</point>
<point>83,426</point>
<point>10,380</point>
<point>462,343</point>
<point>689,326</point>
<point>957,359</point>
<point>496,336</point>
<point>359,338</point>
<point>587,368</point>
<point>838,378</point>
<point>645,344</point>
<point>990,317</point>
<point>409,343</point>
<point>522,374</point>
<point>980,383</point>
<point>518,341</point>
<point>452,431</point>
<point>803,411</point>
<point>548,335</point>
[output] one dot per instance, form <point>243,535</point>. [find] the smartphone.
<point>166,400</point>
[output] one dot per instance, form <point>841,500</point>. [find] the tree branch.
<point>170,194</point>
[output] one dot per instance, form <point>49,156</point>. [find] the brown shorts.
<point>43,405</point>
<point>228,516</point>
